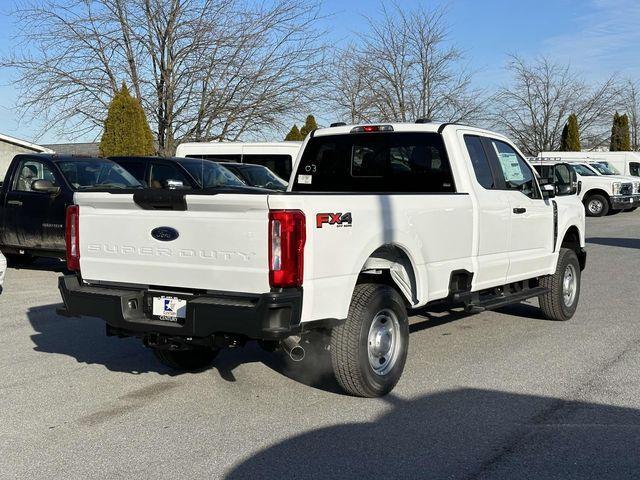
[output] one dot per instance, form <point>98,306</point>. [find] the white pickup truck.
<point>600,192</point>
<point>378,220</point>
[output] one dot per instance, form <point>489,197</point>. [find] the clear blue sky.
<point>598,38</point>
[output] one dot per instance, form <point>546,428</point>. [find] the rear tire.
<point>187,360</point>
<point>596,205</point>
<point>369,350</point>
<point>561,301</point>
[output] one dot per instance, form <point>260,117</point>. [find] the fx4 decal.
<point>338,219</point>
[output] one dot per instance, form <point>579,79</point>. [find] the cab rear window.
<point>375,162</point>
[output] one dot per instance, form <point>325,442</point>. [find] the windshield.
<point>605,168</point>
<point>583,170</point>
<point>263,177</point>
<point>96,173</point>
<point>214,175</point>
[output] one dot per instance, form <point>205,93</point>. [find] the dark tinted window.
<point>634,169</point>
<point>375,162</point>
<point>211,175</point>
<point>583,170</point>
<point>479,161</point>
<point>97,173</point>
<point>279,164</point>
<point>517,174</point>
<point>167,176</point>
<point>137,169</point>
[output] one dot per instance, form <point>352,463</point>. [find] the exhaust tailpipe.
<point>292,346</point>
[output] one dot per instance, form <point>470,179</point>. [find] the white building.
<point>10,147</point>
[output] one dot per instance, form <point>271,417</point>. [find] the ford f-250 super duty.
<point>377,220</point>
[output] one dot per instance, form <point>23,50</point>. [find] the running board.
<point>502,300</point>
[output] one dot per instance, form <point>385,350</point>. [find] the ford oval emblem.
<point>165,234</point>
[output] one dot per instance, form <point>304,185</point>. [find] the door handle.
<point>17,203</point>
<point>519,210</point>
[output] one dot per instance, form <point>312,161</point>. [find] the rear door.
<point>220,242</point>
<point>531,230</point>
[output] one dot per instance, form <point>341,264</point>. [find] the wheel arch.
<point>392,264</point>
<point>597,191</point>
<point>572,239</point>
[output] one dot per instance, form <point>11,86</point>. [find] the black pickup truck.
<point>36,192</point>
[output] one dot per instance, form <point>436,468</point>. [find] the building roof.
<point>24,144</point>
<point>88,148</point>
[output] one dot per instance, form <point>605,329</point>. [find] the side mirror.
<point>44,186</point>
<point>548,191</point>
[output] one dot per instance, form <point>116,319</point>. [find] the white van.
<point>627,163</point>
<point>276,156</point>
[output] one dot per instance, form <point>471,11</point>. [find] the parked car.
<point>178,173</point>
<point>601,194</point>
<point>378,219</point>
<point>626,163</point>
<point>36,192</point>
<point>3,269</point>
<point>276,156</point>
<point>257,176</point>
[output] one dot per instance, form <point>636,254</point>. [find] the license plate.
<point>170,309</point>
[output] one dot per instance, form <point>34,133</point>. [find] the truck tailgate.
<point>221,242</point>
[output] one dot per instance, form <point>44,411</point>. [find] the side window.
<point>278,164</point>
<point>517,174</point>
<point>168,177</point>
<point>634,169</point>
<point>137,169</point>
<point>29,172</point>
<point>480,162</point>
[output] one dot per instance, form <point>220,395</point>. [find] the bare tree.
<point>534,107</point>
<point>203,69</point>
<point>403,68</point>
<point>630,100</point>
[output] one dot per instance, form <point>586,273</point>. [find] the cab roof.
<point>425,126</point>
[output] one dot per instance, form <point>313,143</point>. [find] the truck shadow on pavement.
<point>464,433</point>
<point>616,242</point>
<point>84,339</point>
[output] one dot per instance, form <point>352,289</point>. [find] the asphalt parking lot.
<point>497,395</point>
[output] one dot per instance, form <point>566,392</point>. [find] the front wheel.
<point>596,206</point>
<point>369,350</point>
<point>561,301</point>
<point>188,360</point>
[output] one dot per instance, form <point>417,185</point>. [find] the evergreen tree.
<point>126,130</point>
<point>309,126</point>
<point>615,134</point>
<point>625,134</point>
<point>571,135</point>
<point>294,135</point>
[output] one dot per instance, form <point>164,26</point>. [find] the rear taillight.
<point>287,231</point>
<point>73,238</point>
